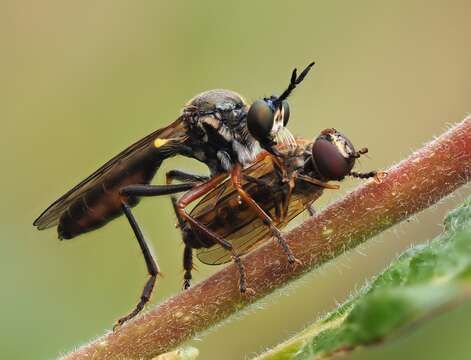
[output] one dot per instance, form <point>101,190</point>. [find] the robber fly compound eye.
<point>267,117</point>
<point>285,112</point>
<point>260,120</point>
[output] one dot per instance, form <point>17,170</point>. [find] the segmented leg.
<point>311,210</point>
<point>187,251</point>
<point>187,265</point>
<point>184,176</point>
<point>319,183</point>
<point>365,175</point>
<point>155,190</point>
<point>236,175</point>
<point>152,267</point>
<point>376,175</point>
<point>194,194</point>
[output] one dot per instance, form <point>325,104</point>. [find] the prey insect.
<point>216,127</point>
<point>282,194</point>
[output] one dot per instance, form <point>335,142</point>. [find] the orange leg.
<point>291,184</point>
<point>236,175</point>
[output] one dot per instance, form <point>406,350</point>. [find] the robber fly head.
<point>267,117</point>
<point>333,155</point>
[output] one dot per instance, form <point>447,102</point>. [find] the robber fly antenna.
<point>295,80</point>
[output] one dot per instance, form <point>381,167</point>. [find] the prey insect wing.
<point>237,222</point>
<point>250,235</point>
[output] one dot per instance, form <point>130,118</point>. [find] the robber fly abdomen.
<point>103,201</point>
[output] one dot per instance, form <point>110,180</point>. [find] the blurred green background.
<point>82,80</point>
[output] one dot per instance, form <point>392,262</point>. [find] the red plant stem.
<point>414,184</point>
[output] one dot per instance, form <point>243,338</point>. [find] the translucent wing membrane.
<point>223,213</point>
<point>249,235</point>
<point>114,167</point>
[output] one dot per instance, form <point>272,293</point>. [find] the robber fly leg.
<point>291,185</point>
<point>197,192</point>
<point>155,190</point>
<point>187,251</point>
<point>311,210</point>
<point>242,275</point>
<point>184,176</point>
<point>187,265</point>
<point>282,242</point>
<point>152,268</point>
<point>236,177</point>
<point>277,160</point>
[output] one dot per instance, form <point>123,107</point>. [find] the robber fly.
<point>282,193</point>
<point>216,127</point>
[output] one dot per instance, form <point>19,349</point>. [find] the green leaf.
<point>423,281</point>
<point>185,353</point>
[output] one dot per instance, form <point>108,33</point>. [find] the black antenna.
<point>295,80</point>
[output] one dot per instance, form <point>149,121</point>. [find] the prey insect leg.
<point>376,175</point>
<point>192,195</point>
<point>360,175</point>
<point>152,267</point>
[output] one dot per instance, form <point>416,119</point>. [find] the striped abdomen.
<point>102,202</point>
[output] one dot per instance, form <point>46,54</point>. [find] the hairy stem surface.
<point>414,184</point>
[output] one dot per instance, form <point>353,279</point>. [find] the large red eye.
<point>332,156</point>
<point>260,119</point>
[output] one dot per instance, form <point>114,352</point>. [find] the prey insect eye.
<point>260,119</point>
<point>332,155</point>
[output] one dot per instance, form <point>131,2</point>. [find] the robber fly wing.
<point>51,215</point>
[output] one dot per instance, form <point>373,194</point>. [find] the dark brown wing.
<point>51,215</point>
<point>250,235</point>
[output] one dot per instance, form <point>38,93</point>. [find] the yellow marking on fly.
<point>326,231</point>
<point>160,142</point>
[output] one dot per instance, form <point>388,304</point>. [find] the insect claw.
<point>294,261</point>
<point>186,284</point>
<point>380,176</point>
<point>117,326</point>
<point>248,292</point>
